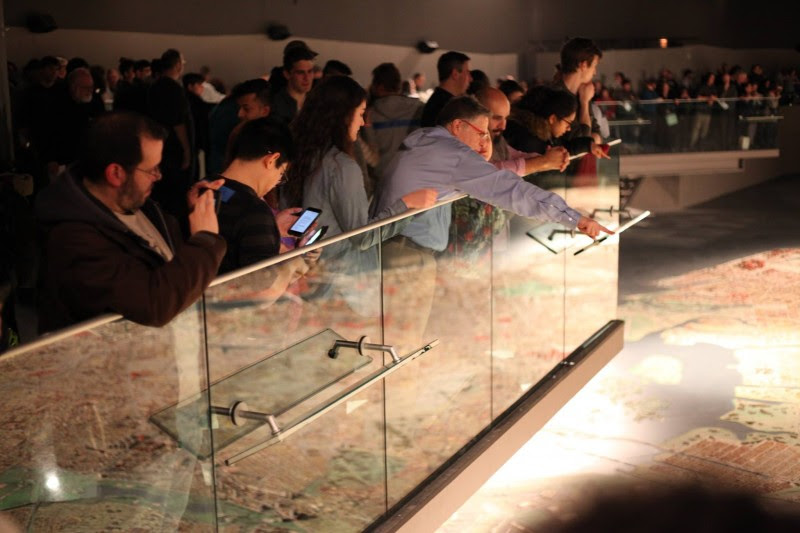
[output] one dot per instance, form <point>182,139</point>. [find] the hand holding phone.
<point>304,221</point>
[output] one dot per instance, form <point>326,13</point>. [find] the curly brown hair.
<point>322,123</point>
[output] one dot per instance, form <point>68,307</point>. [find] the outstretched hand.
<point>591,227</point>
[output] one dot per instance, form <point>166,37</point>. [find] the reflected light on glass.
<point>574,441</point>
<point>52,482</point>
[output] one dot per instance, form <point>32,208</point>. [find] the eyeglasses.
<point>485,135</point>
<point>155,172</point>
<point>569,123</point>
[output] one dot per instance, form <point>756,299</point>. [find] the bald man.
<point>504,156</point>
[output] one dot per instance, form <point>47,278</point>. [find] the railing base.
<point>444,491</point>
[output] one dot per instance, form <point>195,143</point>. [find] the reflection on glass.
<point>329,476</point>
<point>78,452</point>
<point>591,277</point>
<point>528,300</point>
<point>437,404</point>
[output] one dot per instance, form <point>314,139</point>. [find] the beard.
<point>131,198</point>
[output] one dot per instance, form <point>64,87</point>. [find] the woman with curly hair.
<point>540,120</point>
<point>324,174</point>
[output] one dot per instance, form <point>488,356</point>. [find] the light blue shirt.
<point>432,158</point>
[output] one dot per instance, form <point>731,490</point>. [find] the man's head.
<point>386,80</point>
<point>80,85</point>
<point>142,69</point>
<point>252,97</point>
<point>121,154</point>
<point>468,121</point>
<point>453,70</point>
<point>126,69</point>
<point>298,69</point>
<point>580,56</point>
<point>193,83</point>
<point>419,81</point>
<point>512,89</point>
<point>112,78</point>
<point>172,63</point>
<point>334,67</point>
<point>49,71</point>
<point>498,105</point>
<point>266,148</point>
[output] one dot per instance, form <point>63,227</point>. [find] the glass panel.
<point>528,299</point>
<point>591,276</point>
<point>329,475</point>
<point>292,376</point>
<point>436,404</point>
<point>78,450</point>
<point>694,125</point>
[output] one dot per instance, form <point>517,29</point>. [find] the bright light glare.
<point>52,482</point>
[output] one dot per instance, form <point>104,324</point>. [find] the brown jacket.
<point>93,264</point>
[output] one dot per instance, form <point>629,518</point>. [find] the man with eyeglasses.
<point>260,154</point>
<point>108,248</point>
<point>453,158</point>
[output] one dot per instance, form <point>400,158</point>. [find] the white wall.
<point>640,64</point>
<point>233,57</point>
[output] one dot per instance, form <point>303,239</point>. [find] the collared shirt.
<point>509,158</point>
<point>434,158</point>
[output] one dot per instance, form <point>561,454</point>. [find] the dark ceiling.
<point>477,25</point>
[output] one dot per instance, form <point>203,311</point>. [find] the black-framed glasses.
<point>569,122</point>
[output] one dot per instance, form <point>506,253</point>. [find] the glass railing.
<point>312,392</point>
<point>693,125</point>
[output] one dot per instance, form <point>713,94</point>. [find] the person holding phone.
<point>325,175</point>
<point>260,153</point>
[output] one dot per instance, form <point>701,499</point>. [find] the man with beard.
<point>107,247</point>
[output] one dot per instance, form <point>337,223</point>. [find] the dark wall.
<point>456,24</point>
<point>477,25</point>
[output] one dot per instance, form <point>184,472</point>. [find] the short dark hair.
<point>259,137</point>
<point>463,108</point>
<point>334,67</point>
<point>576,51</point>
<point>257,86</point>
<point>387,75</point>
<point>544,101</point>
<point>296,54</point>
<point>192,78</point>
<point>76,62</point>
<point>116,138</point>
<point>126,64</point>
<point>509,87</point>
<point>141,64</point>
<point>449,61</point>
<point>170,58</point>
<point>50,61</point>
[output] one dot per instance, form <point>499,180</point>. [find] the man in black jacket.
<point>107,247</point>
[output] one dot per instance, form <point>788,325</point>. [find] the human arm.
<point>505,190</point>
<point>93,273</point>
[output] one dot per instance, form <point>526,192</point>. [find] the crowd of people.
<point>714,110</point>
<point>157,180</point>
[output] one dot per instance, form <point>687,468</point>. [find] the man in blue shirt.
<point>452,158</point>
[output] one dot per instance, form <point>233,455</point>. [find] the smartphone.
<point>317,235</point>
<point>221,196</point>
<point>304,221</point>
